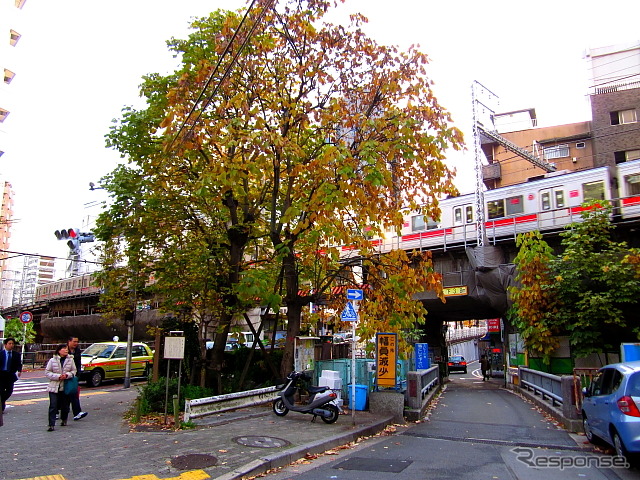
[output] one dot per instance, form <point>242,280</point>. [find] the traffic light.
<point>74,237</point>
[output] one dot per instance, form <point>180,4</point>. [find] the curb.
<point>286,457</point>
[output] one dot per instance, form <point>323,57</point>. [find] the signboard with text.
<point>493,325</point>
<point>387,355</point>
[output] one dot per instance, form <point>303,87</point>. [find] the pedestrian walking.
<point>59,368</point>
<point>10,370</point>
<point>74,350</point>
<point>484,367</point>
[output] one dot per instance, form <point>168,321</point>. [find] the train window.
<point>495,208</point>
<point>515,205</point>
<point>559,194</point>
<point>545,200</point>
<point>420,222</point>
<point>417,223</point>
<point>457,215</point>
<point>632,183</point>
<point>469,213</point>
<point>593,191</point>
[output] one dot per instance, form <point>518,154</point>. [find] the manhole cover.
<point>373,465</point>
<point>261,442</point>
<point>193,460</point>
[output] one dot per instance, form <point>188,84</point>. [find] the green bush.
<point>151,397</point>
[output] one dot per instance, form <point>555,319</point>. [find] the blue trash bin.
<point>362,392</point>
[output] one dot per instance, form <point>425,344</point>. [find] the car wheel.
<point>279,408</point>
<point>95,380</point>
<point>621,450</point>
<point>333,416</point>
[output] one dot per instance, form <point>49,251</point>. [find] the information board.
<point>174,348</point>
<point>387,354</point>
<point>422,356</point>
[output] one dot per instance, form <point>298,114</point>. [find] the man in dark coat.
<point>74,350</point>
<point>10,370</point>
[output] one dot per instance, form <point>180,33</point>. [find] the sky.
<point>80,63</point>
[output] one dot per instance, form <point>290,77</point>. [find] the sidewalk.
<point>101,446</point>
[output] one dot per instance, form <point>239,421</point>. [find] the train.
<point>80,285</point>
<point>547,203</point>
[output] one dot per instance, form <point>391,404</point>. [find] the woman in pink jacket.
<point>59,368</point>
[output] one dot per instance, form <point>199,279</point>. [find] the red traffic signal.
<point>65,234</point>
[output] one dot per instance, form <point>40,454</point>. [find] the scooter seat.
<point>312,389</point>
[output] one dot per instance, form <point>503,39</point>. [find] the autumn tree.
<point>342,132</point>
<point>534,307</point>
<point>285,134</point>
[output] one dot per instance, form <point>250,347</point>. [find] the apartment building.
<point>566,147</point>
<point>615,102</point>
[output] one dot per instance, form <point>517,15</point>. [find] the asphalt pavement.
<point>102,446</point>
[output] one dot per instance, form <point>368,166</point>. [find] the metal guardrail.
<point>201,407</point>
<point>419,384</point>
<point>546,385</point>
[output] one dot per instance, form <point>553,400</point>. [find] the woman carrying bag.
<point>61,367</point>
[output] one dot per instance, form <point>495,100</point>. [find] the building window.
<point>515,205</point>
<point>15,36</point>
<point>557,151</point>
<point>623,116</point>
<point>632,183</point>
<point>593,191</point>
<point>626,156</point>
<point>581,145</point>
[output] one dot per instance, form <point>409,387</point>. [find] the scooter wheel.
<point>279,408</point>
<point>334,414</point>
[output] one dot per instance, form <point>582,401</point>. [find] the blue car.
<point>610,408</point>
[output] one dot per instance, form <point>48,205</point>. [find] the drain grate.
<point>193,460</point>
<point>373,465</point>
<point>261,442</point>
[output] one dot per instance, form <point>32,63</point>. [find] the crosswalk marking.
<point>27,386</point>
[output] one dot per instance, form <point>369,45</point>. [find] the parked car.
<point>610,410</point>
<point>457,363</point>
<point>107,360</point>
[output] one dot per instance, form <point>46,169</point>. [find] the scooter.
<point>322,400</point>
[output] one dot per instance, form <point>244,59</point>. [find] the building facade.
<point>615,103</point>
<point>566,147</point>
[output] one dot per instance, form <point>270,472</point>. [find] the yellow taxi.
<point>107,360</point>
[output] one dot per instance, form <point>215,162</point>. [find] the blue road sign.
<point>354,294</point>
<point>349,313</point>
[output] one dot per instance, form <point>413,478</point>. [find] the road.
<point>477,430</point>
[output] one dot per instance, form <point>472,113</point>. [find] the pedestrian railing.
<point>547,385</point>
<point>201,407</point>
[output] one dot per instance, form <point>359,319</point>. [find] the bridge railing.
<point>419,384</point>
<point>555,391</point>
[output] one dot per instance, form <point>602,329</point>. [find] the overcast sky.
<point>81,62</point>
